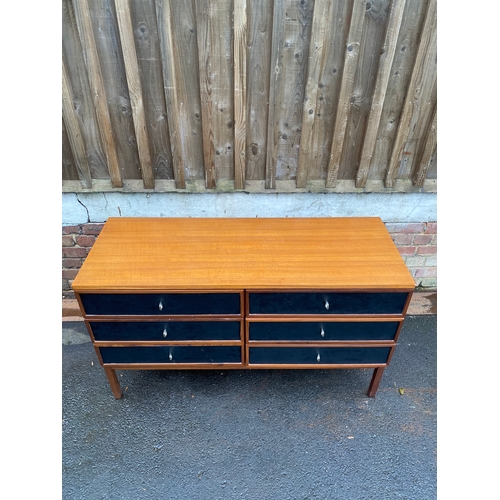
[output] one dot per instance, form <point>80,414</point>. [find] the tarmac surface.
<point>251,434</point>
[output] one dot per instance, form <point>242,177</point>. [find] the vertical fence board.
<point>98,92</point>
<point>351,58</point>
<point>83,105</point>
<point>329,85</point>
<point>260,22</point>
<point>309,151</point>
<point>432,169</point>
<point>427,153</point>
<point>188,87</point>
<point>171,74</point>
<point>424,64</point>
<point>216,87</point>
<point>290,95</point>
<point>421,120</point>
<point>135,90</point>
<point>207,87</point>
<point>419,127</point>
<point>377,13</point>
<point>69,171</point>
<point>111,59</point>
<point>426,100</point>
<point>275,81</point>
<point>147,46</point>
<point>404,58</point>
<point>74,133</point>
<point>240,77</point>
<point>179,52</point>
<point>386,60</point>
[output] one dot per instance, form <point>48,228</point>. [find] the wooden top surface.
<point>161,254</point>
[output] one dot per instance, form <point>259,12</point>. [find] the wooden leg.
<point>377,376</point>
<point>113,382</point>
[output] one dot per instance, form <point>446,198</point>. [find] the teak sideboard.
<point>241,293</point>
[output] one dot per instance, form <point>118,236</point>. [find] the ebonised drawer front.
<point>166,330</point>
<point>327,303</point>
<point>310,331</point>
<point>161,304</point>
<point>172,354</point>
<point>318,355</point>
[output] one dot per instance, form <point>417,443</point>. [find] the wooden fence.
<point>253,95</point>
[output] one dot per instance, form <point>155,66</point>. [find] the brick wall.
<point>416,242</point>
<point>76,244</point>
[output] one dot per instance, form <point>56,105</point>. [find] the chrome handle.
<point>160,306</point>
<point>170,356</point>
<point>165,333</point>
<point>322,332</point>
<point>327,305</point>
<point>318,358</point>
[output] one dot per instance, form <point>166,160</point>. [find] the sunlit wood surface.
<point>157,254</point>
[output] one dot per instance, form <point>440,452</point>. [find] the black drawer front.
<point>172,354</point>
<point>164,304</point>
<point>327,303</point>
<point>310,331</point>
<point>327,355</point>
<point>166,330</point>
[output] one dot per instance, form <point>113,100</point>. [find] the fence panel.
<point>262,95</point>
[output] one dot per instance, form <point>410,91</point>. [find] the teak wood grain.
<point>200,254</point>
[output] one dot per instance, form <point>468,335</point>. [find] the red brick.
<point>92,228</point>
<point>426,272</point>
<point>431,228</point>
<point>405,227</point>
<point>428,250</point>
<point>69,274</point>
<point>85,241</point>
<point>402,239</point>
<point>407,250</point>
<point>422,239</point>
<point>72,263</point>
<point>68,241</point>
<point>71,230</point>
<point>74,252</point>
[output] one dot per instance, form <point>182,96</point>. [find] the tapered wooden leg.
<point>377,376</point>
<point>113,382</point>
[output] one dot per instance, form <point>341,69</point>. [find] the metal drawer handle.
<point>170,356</point>
<point>322,332</point>
<point>327,305</point>
<point>318,358</point>
<point>165,333</point>
<point>160,305</point>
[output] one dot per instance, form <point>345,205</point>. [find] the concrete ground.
<point>254,434</point>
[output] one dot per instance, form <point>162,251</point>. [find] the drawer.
<point>318,355</point>
<point>166,330</point>
<point>161,304</point>
<point>171,354</point>
<point>322,331</point>
<point>327,303</point>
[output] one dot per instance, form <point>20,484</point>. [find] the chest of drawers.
<point>178,293</point>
